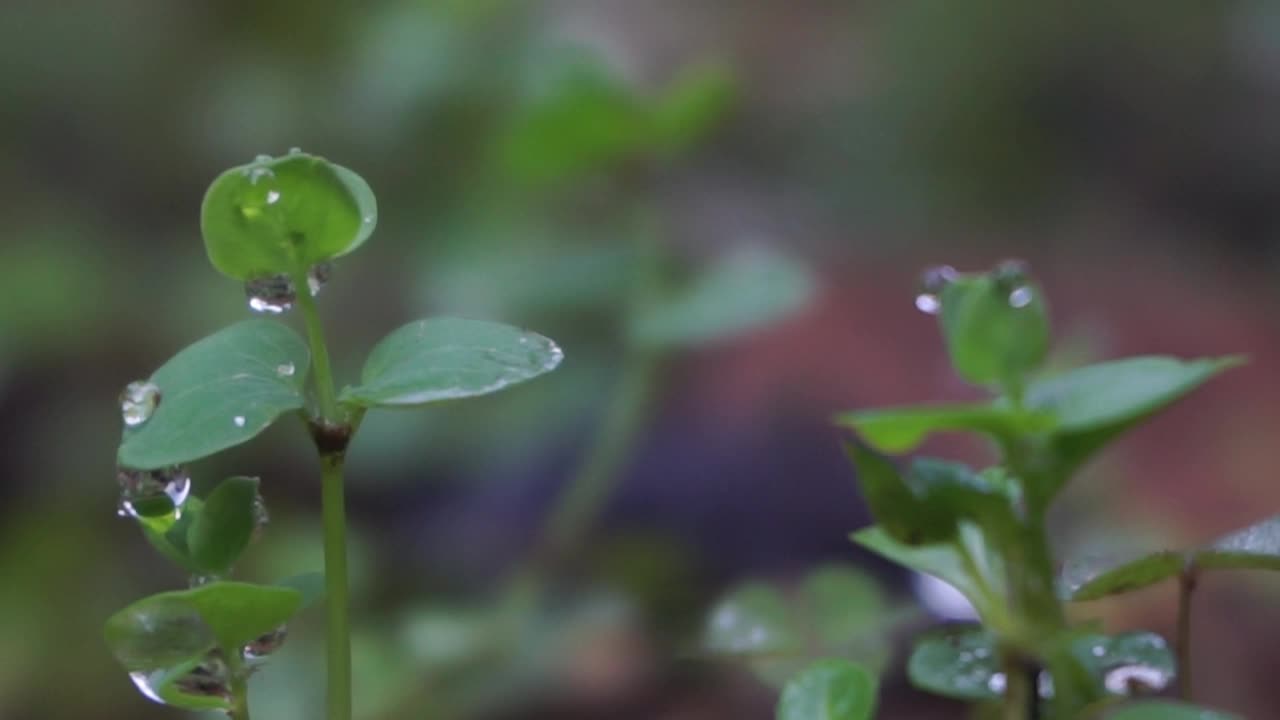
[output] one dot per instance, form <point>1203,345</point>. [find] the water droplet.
<point>1044,685</point>
<point>238,420</point>
<point>285,370</point>
<point>317,276</point>
<point>295,151</point>
<point>196,581</point>
<point>272,294</point>
<point>145,682</point>
<point>996,683</point>
<point>1129,679</point>
<point>1021,296</point>
<point>273,197</point>
<point>211,678</point>
<point>932,282</point>
<point>153,493</point>
<point>259,173</point>
<point>138,401</point>
<point>262,158</point>
<point>265,644</point>
<point>1098,651</point>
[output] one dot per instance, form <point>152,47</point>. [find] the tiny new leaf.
<point>831,689</point>
<point>224,526</point>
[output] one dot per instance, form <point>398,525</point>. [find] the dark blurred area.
<point>1128,151</point>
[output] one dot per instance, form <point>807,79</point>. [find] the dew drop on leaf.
<point>211,678</point>
<point>318,276</point>
<point>1021,296</point>
<point>262,158</point>
<point>153,493</point>
<point>238,420</point>
<point>273,197</point>
<point>285,370</point>
<point>932,281</point>
<point>1136,679</point>
<point>996,683</point>
<point>145,682</point>
<point>138,401</point>
<point>264,645</point>
<point>295,151</point>
<point>272,294</point>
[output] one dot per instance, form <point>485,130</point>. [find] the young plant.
<point>276,225</point>
<point>983,531</point>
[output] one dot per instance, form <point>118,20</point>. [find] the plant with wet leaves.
<point>983,530</point>
<point>276,225</point>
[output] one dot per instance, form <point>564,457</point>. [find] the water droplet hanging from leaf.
<point>138,401</point>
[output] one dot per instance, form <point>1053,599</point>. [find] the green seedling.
<point>276,225</point>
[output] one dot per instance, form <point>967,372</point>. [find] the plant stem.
<point>334,511</point>
<point>239,688</point>
<point>322,372</point>
<point>1186,586</point>
<point>1020,700</point>
<point>335,580</point>
<point>598,473</point>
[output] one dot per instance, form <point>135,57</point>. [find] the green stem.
<point>598,473</point>
<point>1020,699</point>
<point>322,371</point>
<point>333,503</point>
<point>336,595</point>
<point>1186,586</point>
<point>239,688</point>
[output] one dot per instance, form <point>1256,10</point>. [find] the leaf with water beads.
<point>829,690</point>
<point>281,216</point>
<point>1256,547</point>
<point>224,526</point>
<point>1167,710</point>
<point>995,325</point>
<point>446,358</point>
<point>958,661</point>
<point>220,392</point>
<point>1132,663</point>
<point>745,291</point>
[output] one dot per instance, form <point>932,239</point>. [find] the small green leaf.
<point>752,620</point>
<point>1126,664</point>
<point>1098,577</point>
<point>895,506</point>
<point>957,661</point>
<point>310,585</point>
<point>898,430</point>
<point>829,690</point>
<point>160,630</point>
<point>218,393</point>
<point>946,561</point>
<point>745,291</point>
<point>283,215</point>
<point>172,542</point>
<point>1094,404</point>
<point>996,326</point>
<point>446,358</point>
<point>223,529</point>
<point>1168,710</point>
<point>1256,547</point>
<point>698,99</point>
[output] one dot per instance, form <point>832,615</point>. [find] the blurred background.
<point>535,162</point>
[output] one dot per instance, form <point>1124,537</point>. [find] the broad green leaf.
<point>447,358</point>
<point>1092,578</point>
<point>752,620</point>
<point>219,392</point>
<point>157,631</point>
<point>1127,664</point>
<point>829,690</point>
<point>898,430</point>
<point>309,585</point>
<point>283,215</point>
<point>1256,547</point>
<point>957,661</point>
<point>745,291</point>
<point>995,325</point>
<point>224,527</point>
<point>895,506</point>
<point>1168,710</point>
<point>1094,404</point>
<point>946,561</point>
<point>698,99</point>
<point>835,611</point>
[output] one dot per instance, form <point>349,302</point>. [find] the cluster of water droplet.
<point>138,401</point>
<point>275,294</point>
<point>1012,277</point>
<point>210,678</point>
<point>153,493</point>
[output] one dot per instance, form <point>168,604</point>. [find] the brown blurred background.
<point>1128,151</point>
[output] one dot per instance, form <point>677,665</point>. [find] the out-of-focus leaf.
<point>1256,547</point>
<point>1097,577</point>
<point>1167,710</point>
<point>829,690</point>
<point>698,99</point>
<point>309,585</point>
<point>959,662</point>
<point>747,290</point>
<point>898,430</point>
